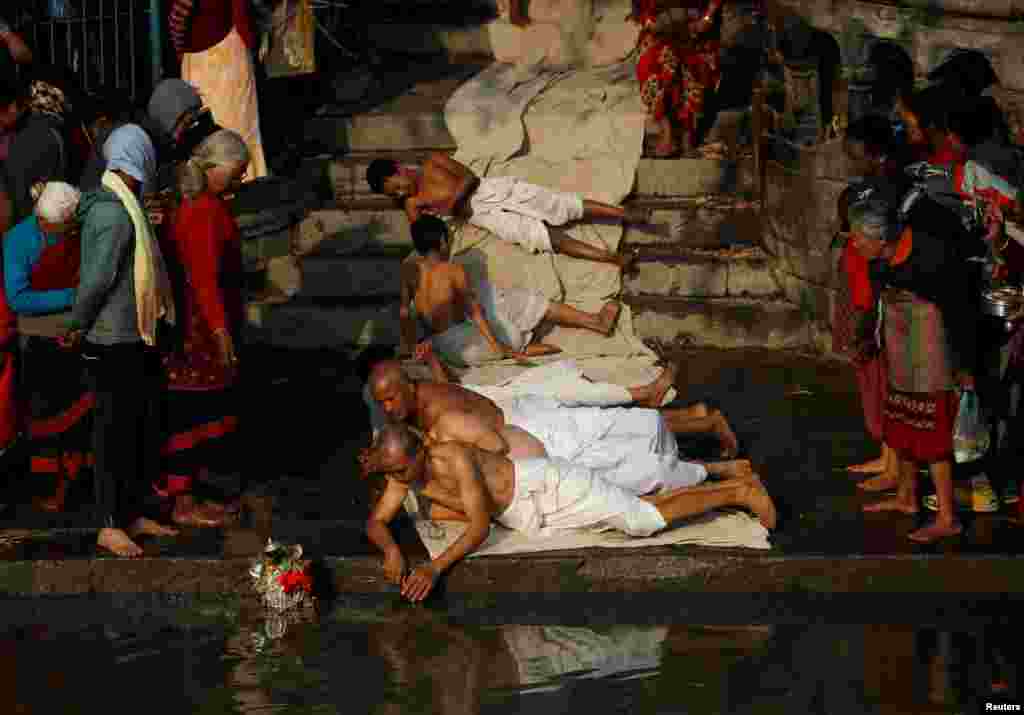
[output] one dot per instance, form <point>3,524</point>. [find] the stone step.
<point>710,274</point>
<point>671,322</point>
<point>734,271</point>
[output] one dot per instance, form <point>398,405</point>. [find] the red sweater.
<point>198,25</point>
<point>208,247</point>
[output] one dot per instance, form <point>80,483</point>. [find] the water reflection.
<point>413,660</point>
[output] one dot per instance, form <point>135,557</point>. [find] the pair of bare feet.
<point>120,542</point>
<point>940,528</point>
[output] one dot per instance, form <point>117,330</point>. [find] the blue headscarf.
<point>129,149</point>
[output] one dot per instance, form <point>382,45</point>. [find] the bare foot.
<point>730,445</point>
<point>660,387</point>
<point>148,527</point>
<point>875,466</point>
<point>893,504</point>
<point>609,317</point>
<point>733,469</point>
<point>881,483</point>
<point>758,501</point>
<point>934,532</point>
<point>118,543</point>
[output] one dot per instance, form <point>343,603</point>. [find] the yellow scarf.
<point>153,297</point>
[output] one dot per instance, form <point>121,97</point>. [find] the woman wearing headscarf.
<point>929,320</point>
<point>214,40</point>
<point>122,295</point>
<point>206,255</point>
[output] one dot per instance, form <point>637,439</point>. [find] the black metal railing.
<point>105,43</point>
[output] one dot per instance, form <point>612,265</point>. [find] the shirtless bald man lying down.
<point>533,496</point>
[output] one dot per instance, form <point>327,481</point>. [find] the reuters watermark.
<point>1002,708</point>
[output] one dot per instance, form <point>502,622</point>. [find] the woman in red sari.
<point>206,256</point>
<point>677,66</point>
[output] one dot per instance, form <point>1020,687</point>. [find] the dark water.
<point>99,656</point>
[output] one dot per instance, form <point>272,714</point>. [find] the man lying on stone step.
<point>473,326</point>
<point>624,441</point>
<point>534,495</point>
<point>510,208</point>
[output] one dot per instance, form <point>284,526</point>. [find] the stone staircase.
<point>707,275</point>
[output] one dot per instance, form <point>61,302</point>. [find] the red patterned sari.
<point>674,76</point>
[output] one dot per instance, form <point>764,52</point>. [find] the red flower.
<point>292,581</point>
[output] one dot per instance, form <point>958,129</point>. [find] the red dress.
<point>674,76</point>
<point>206,249</point>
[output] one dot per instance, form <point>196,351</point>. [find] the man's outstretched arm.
<point>456,461</point>
<point>378,532</point>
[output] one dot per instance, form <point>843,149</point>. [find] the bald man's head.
<point>390,387</point>
<point>394,451</point>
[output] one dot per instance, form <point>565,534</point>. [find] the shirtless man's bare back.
<point>444,187</point>
<point>482,484</point>
<point>442,296</point>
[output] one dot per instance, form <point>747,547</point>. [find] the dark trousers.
<point>126,379</point>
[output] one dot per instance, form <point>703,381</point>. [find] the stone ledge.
<point>662,570</point>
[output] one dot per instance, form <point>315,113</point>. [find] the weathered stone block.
<point>690,280</point>
<point>810,263</point>
<point>727,323</point>
<point>692,177</point>
<point>307,325</point>
<point>350,277</point>
<point>751,279</point>
<point>339,233</point>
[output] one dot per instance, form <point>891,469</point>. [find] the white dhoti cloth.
<point>552,495</point>
<point>520,212</point>
<point>512,313</point>
<point>632,447</point>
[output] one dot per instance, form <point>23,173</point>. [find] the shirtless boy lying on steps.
<point>510,208</point>
<point>500,323</point>
<point>532,496</point>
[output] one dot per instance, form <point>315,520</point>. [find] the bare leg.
<point>731,469</point>
<point>945,523</point>
<point>603,322</point>
<point>149,527</point>
<point>652,394</point>
<point>714,423</point>
<point>905,500</point>
<point>889,478</point>
<point>667,144</point>
<point>538,349</point>
<point>580,249</point>
<point>117,542</point>
<point>693,501</point>
<point>872,466</point>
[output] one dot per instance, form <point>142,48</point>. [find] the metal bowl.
<point>1002,302</point>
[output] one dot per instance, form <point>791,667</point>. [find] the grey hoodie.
<point>105,301</point>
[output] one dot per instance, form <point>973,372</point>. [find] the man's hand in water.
<point>394,567</point>
<point>420,582</point>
